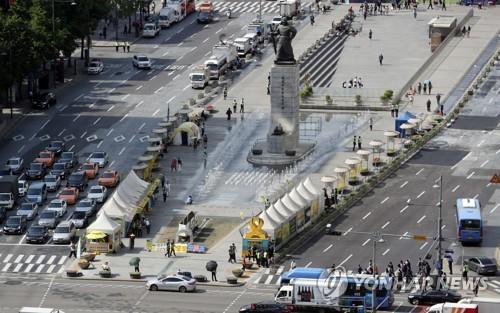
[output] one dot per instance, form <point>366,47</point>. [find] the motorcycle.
<point>228,13</point>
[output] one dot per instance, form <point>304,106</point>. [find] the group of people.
<point>229,112</point>
<point>356,142</point>
<point>176,164</point>
<point>263,257</point>
<point>170,249</point>
<point>139,225</point>
<point>353,83</point>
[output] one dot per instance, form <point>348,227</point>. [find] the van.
<point>167,17</point>
<point>150,30</point>
<point>243,46</point>
<point>216,65</point>
<point>37,193</point>
<point>254,40</point>
<point>39,310</point>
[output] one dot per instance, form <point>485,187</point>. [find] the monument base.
<point>259,156</point>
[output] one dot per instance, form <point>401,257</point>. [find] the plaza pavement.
<point>444,75</point>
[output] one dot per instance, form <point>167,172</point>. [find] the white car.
<point>173,283</point>
<point>16,164</point>
<point>99,157</point>
<point>98,193</point>
<point>276,21</point>
<point>64,232</point>
<point>95,67</point>
<point>141,61</point>
<point>59,206</point>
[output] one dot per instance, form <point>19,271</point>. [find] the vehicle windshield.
<point>36,166</point>
<point>48,214</point>
<point>36,230</point>
<point>94,64</point>
<point>4,197</point>
<point>13,162</point>
<point>62,229</point>
<point>26,207</point>
<point>212,67</point>
<point>56,204</point>
<point>78,215</point>
<point>142,59</point>
<point>45,155</point>
<point>34,192</point>
<point>197,77</point>
<point>148,27</point>
<point>108,175</point>
<point>20,185</point>
<point>486,261</point>
<point>95,190</point>
<point>88,167</point>
<point>203,14</point>
<point>56,144</point>
<point>50,179</point>
<point>67,192</point>
<point>67,155</point>
<point>84,204</point>
<point>59,166</point>
<point>13,221</point>
<point>470,224</point>
<point>163,17</point>
<point>75,178</point>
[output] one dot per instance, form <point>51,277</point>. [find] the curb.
<point>218,284</point>
<point>343,108</point>
<point>112,43</point>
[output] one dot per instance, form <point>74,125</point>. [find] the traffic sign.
<point>495,179</point>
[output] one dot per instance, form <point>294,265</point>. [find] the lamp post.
<point>9,89</point>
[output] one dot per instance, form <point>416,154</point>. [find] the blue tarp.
<point>303,272</point>
<point>401,119</point>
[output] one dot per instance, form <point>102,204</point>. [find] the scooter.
<point>228,13</point>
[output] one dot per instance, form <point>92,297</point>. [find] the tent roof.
<point>275,214</point>
<point>297,198</point>
<point>302,190</point>
<point>311,187</point>
<point>103,223</point>
<point>405,116</point>
<point>291,205</point>
<point>269,223</point>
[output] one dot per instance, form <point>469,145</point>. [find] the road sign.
<point>419,237</point>
<point>495,179</point>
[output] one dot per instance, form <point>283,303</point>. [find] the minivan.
<point>37,193</point>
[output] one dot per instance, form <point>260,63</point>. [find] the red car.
<point>46,157</point>
<point>69,194</point>
<point>91,169</point>
<point>110,178</point>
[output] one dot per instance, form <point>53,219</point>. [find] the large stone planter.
<point>135,275</point>
<point>105,274</point>
<point>237,272</point>
<point>232,280</point>
<point>200,278</point>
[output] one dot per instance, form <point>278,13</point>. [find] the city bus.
<point>359,292</point>
<point>469,221</point>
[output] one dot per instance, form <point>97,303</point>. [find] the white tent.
<point>299,200</point>
<point>289,205</point>
<point>103,223</point>
<point>270,225</point>
<point>275,214</point>
<point>103,234</point>
<point>309,185</point>
<point>304,193</point>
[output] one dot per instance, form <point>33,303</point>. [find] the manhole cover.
<point>118,73</point>
<point>13,282</point>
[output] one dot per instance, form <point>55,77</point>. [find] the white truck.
<point>150,30</point>
<point>199,77</point>
<point>289,8</point>
<point>167,17</point>
<point>306,293</point>
<point>39,310</point>
<point>224,56</point>
<point>259,28</point>
<point>177,7</point>
<point>468,305</point>
<point>243,46</point>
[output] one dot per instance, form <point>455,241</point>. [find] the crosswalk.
<point>494,285</point>
<point>32,263</point>
<point>271,276</point>
<point>270,7</point>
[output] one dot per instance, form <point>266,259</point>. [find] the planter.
<point>200,278</point>
<point>105,274</point>
<point>391,152</point>
<point>84,264</point>
<point>135,275</point>
<point>73,273</point>
<point>249,265</point>
<point>237,272</point>
<point>232,280</point>
<point>364,172</point>
<point>88,256</point>
<point>470,92</point>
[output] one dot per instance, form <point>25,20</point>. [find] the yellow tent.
<point>185,133</point>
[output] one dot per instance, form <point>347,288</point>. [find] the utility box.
<point>439,28</point>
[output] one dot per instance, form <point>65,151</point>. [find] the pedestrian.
<point>228,113</point>
<point>380,58</point>
<point>173,165</point>
<point>172,248</point>
<point>242,105</point>
<point>430,5</point>
<point>396,109</point>
<point>72,250</point>
<point>225,92</point>
<point>235,104</point>
<point>125,29</point>
<point>230,253</point>
<point>464,31</point>
<point>438,98</point>
<point>147,223</point>
<point>167,254</point>
<point>164,194</point>
<point>257,258</point>
<point>214,276</point>
<point>430,86</point>
<point>465,273</point>
<point>441,109</point>
<point>371,123</point>
<point>104,32</point>
<point>233,254</point>
<point>359,142</point>
<point>128,46</point>
<point>428,103</point>
<point>162,180</point>
<point>124,46</point>
<point>311,18</point>
<point>370,34</point>
<point>414,13</point>
<point>354,144</point>
<point>425,88</point>
<point>293,265</point>
<point>443,6</point>
<point>468,31</point>
<point>392,110</point>
<point>450,264</point>
<point>476,288</point>
<point>360,269</point>
<point>179,164</point>
<point>419,87</point>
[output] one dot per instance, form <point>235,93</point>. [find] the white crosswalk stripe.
<point>22,263</point>
<point>247,7</point>
<point>271,276</point>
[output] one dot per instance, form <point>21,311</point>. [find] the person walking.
<point>235,104</point>
<point>173,165</point>
<point>167,187</point>
<point>396,110</point>
<point>293,265</point>
<point>311,19</point>
<point>72,250</point>
<point>371,123</point>
<point>425,88</point>
<point>214,275</point>
<point>468,31</point>
<point>147,223</point>
<point>164,194</point>
<point>380,58</point>
<point>370,34</point>
<point>428,103</point>
<point>465,273</point>
<point>450,264</point>
<point>172,248</point>
<point>430,5</point>
<point>438,99</point>
<point>179,164</point>
<point>419,88</point>
<point>242,105</point>
<point>354,144</point>
<point>443,6</point>
<point>464,31</point>
<point>359,142</point>
<point>476,288</point>
<point>228,113</point>
<point>225,92</point>
<point>167,254</point>
<point>430,87</point>
<point>162,180</point>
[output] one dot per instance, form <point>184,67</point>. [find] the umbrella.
<point>352,162</point>
<point>211,266</point>
<point>391,133</point>
<point>96,235</point>
<point>376,143</point>
<point>340,170</point>
<point>407,126</point>
<point>414,120</point>
<point>328,179</point>
<point>134,261</point>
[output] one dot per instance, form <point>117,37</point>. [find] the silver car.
<point>172,283</point>
<point>86,205</point>
<point>28,209</point>
<point>99,157</point>
<point>58,206</point>
<point>64,232</point>
<point>79,219</point>
<point>52,182</point>
<point>48,218</point>
<point>16,164</point>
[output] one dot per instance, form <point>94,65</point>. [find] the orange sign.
<point>495,179</point>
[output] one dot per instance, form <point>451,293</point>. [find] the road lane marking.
<point>442,227</point>
<point>187,86</point>
<point>484,163</point>
<point>79,97</point>
<point>453,167</point>
<point>496,207</point>
<point>268,279</point>
<point>122,150</point>
<point>156,112</point>
<point>6,267</point>
<point>498,151</point>
<point>423,246</point>
<point>192,49</point>
<point>139,104</point>
<point>465,157</point>
<point>383,201</point>
<point>39,268</point>
<point>97,120</point>
<point>207,53</point>
<point>206,39</point>
<point>171,99</point>
<point>404,184</point>
<point>386,251</point>
<point>131,139</point>
<point>99,144</point>
<point>180,43</point>
<point>62,260</point>
<point>218,31</point>
<point>346,259</point>
<point>17,268</point>
<point>385,225</point>
<point>480,143</point>
<point>111,90</point>
<point>420,194</point>
<point>83,135</point>
<point>91,105</point>
<point>176,76</point>
<point>40,259</point>
<point>61,132</point>
<point>475,197</point>
<point>20,149</point>
<point>153,77</point>
<point>164,54</point>
<point>180,58</point>
<point>308,264</point>
<point>420,219</point>
<point>111,164</point>
<point>71,148</point>
<point>19,258</point>
<point>456,188</point>
<point>77,117</point>
<point>51,259</point>
<point>28,268</point>
<point>367,241</point>
<point>180,30</point>
<point>44,124</point>
<point>328,248</point>
<point>404,235</point>
<point>124,117</point>
<point>139,87</point>
<point>488,184</point>
<point>110,108</point>
<point>348,231</point>
<point>109,132</point>
<point>142,126</point>
<point>368,214</point>
<point>403,209</point>
<point>158,90</point>
<point>7,258</point>
<point>470,175</point>
<point>125,96</point>
<point>418,173</point>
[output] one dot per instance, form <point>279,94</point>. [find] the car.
<point>37,234</point>
<point>22,185</point>
<point>205,17</point>
<point>37,192</point>
<point>141,61</point>
<point>16,164</point>
<point>99,157</point>
<point>28,209</point>
<point>78,180</point>
<point>95,67</point>
<point>98,193</point>
<point>69,194</point>
<point>90,169</point>
<point>110,178</point>
<point>56,146</point>
<point>64,232</point>
<point>36,171</point>
<point>88,206</point>
<point>15,225</point>
<point>482,265</point>
<point>60,169</point>
<point>3,214</point>
<point>172,282</point>
<point>265,307</point>
<point>5,170</point>
<point>48,218</point>
<point>58,205</point>
<point>79,219</point>
<point>433,296</point>
<point>70,158</point>
<point>44,100</point>
<point>46,157</point>
<point>276,21</point>
<point>53,182</point>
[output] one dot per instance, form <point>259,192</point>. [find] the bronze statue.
<point>283,49</point>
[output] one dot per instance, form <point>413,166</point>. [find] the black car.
<point>44,100</point>
<point>482,265</point>
<point>37,234</point>
<point>5,170</point>
<point>434,297</point>
<point>3,214</point>
<point>69,157</point>
<point>56,146</point>
<point>78,180</point>
<point>265,307</point>
<point>36,171</point>
<point>205,17</point>
<point>15,225</point>
<point>60,169</point>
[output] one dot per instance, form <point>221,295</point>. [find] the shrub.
<point>201,95</point>
<point>192,101</point>
<point>387,96</point>
<point>328,100</point>
<point>208,89</point>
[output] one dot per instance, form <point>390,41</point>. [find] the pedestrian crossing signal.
<point>495,179</point>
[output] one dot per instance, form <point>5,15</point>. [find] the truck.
<point>150,30</point>
<point>449,307</point>
<point>199,77</point>
<point>168,16</point>
<point>260,28</point>
<point>308,294</point>
<point>9,191</point>
<point>289,8</point>
<point>178,10</point>
<point>243,46</point>
<point>224,56</point>
<point>303,272</point>
<point>39,310</point>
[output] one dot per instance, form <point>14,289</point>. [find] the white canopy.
<point>311,187</point>
<point>284,209</point>
<point>104,223</point>
<point>275,214</point>
<point>298,199</point>
<point>302,190</point>
<point>270,225</point>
